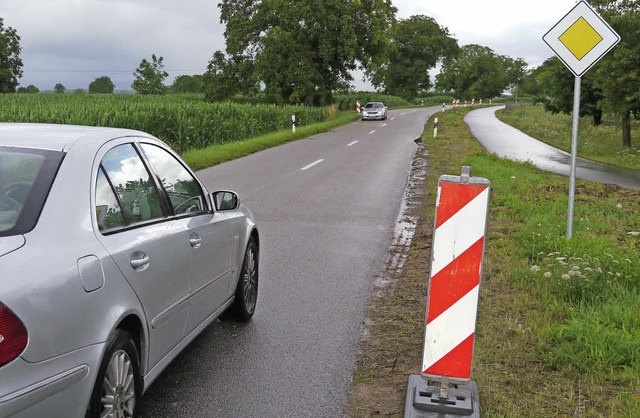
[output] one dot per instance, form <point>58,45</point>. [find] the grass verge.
<point>216,154</point>
<point>559,320</point>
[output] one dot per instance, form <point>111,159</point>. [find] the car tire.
<point>246,295</point>
<point>116,391</point>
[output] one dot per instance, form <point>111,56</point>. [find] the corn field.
<point>184,122</point>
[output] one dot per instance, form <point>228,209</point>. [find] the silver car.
<point>374,110</point>
<point>113,257</point>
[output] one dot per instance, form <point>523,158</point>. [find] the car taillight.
<point>13,336</point>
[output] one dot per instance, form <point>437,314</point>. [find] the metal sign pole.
<point>574,153</point>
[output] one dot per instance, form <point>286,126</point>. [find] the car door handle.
<point>140,262</point>
<point>195,240</point>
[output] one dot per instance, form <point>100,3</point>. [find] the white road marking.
<point>353,143</point>
<point>393,118</point>
<point>311,165</point>
<point>372,132</point>
<point>384,124</point>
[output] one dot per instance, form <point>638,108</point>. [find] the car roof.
<point>57,137</point>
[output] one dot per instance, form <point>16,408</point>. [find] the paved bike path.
<point>508,142</point>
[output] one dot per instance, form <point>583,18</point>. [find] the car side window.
<point>108,211</point>
<point>125,191</point>
<point>184,191</point>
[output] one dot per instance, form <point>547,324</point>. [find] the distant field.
<point>185,122</point>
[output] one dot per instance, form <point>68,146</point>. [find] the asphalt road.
<point>326,208</point>
<point>508,142</point>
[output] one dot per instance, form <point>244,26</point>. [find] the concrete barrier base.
<point>424,401</point>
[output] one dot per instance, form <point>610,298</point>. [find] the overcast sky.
<point>73,42</point>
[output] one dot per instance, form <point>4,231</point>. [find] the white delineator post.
<point>435,128</point>
<point>454,284</point>
<point>293,123</point>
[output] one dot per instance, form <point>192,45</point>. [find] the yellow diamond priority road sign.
<point>581,38</point>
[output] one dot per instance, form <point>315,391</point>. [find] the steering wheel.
<point>8,203</point>
<point>18,191</point>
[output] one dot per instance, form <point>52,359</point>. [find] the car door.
<point>209,233</point>
<point>149,247</point>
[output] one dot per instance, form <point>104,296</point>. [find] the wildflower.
<point>535,268</point>
<point>572,273</point>
<point>599,270</point>
<point>633,233</point>
<point>561,258</point>
<point>619,206</point>
<point>547,274</point>
<point>565,276</point>
<point>575,268</point>
<point>588,269</point>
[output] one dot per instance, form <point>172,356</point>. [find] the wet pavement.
<point>508,142</point>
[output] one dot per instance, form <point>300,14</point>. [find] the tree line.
<point>304,51</point>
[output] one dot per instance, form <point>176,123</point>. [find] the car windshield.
<point>25,178</point>
<point>373,106</point>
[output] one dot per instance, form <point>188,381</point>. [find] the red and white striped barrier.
<point>357,106</point>
<point>454,284</point>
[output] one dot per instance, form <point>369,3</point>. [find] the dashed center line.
<point>384,124</point>
<point>372,132</point>
<point>311,165</point>
<point>353,143</point>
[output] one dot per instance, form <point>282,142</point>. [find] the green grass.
<point>602,143</point>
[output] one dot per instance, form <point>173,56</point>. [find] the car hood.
<point>9,244</point>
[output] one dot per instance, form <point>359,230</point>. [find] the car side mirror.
<point>225,200</point>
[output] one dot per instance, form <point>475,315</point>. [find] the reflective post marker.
<point>462,206</point>
<point>452,304</point>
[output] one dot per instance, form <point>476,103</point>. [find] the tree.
<point>416,46</point>
<point>29,89</point>
<point>59,88</point>
<point>515,72</point>
<point>10,62</point>
<point>150,76</point>
<point>476,72</point>
<point>557,86</point>
<point>228,76</point>
<point>303,50</point>
<point>102,85</point>
<point>617,74</point>
<point>186,84</point>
